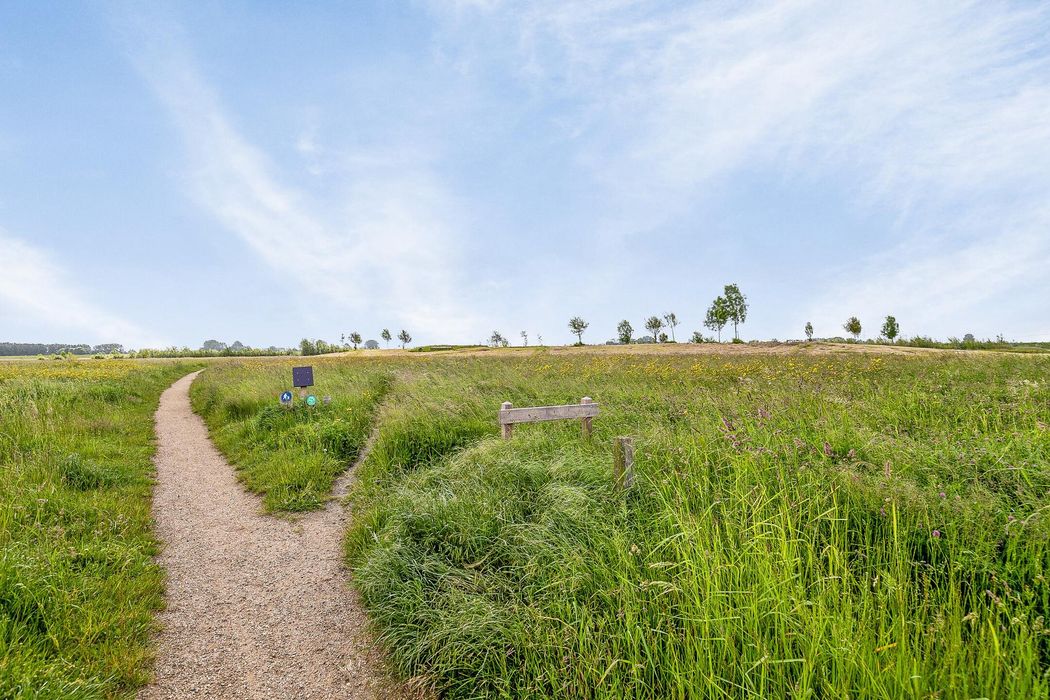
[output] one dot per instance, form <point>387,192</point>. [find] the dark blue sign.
<point>302,377</point>
<point>286,398</point>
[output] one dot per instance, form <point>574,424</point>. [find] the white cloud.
<point>933,113</point>
<point>36,290</point>
<point>388,246</point>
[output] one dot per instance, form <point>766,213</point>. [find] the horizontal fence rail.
<point>585,410</point>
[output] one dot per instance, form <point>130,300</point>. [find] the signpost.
<point>286,398</point>
<point>302,377</point>
<point>311,400</point>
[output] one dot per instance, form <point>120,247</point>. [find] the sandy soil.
<point>257,606</point>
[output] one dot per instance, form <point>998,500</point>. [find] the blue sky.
<point>267,171</point>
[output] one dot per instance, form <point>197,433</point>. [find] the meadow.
<point>803,524</point>
<point>78,586</point>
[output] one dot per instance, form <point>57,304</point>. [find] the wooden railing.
<point>585,410</point>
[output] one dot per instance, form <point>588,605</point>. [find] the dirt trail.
<point>257,607</point>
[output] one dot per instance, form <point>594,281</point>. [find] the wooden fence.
<point>586,411</point>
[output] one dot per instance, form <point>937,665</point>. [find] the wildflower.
<point>827,449</point>
<point>936,534</point>
<point>943,495</point>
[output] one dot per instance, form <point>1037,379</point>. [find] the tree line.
<point>729,307</point>
<point>890,328</point>
<point>23,349</point>
<point>351,340</point>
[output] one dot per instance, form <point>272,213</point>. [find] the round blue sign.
<point>286,397</point>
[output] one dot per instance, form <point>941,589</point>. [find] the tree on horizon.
<point>577,325</point>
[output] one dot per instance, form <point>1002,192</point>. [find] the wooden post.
<point>507,427</point>
<point>623,467</point>
<point>585,423</point>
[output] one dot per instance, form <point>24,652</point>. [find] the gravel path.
<point>257,606</point>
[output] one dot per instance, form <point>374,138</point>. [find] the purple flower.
<point>936,534</point>
<point>943,495</point>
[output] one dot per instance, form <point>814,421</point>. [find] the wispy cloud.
<point>37,291</point>
<point>931,113</point>
<point>388,244</point>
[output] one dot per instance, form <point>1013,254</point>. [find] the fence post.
<point>507,427</point>
<point>623,467</point>
<point>585,423</point>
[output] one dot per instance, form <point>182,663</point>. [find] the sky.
<point>264,171</point>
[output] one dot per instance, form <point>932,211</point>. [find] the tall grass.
<point>78,586</point>
<point>290,455</point>
<point>846,526</point>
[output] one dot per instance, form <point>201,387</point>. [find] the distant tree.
<point>968,338</point>
<point>342,338</point>
<point>698,337</point>
<point>237,345</point>
<point>654,324</point>
<point>663,338</point>
<point>577,325</point>
<point>385,335</point>
<point>355,338</point>
<point>672,321</point>
<point>213,345</point>
<point>108,348</point>
<point>306,347</point>
<point>524,339</point>
<point>852,326</point>
<point>497,340</point>
<point>371,345</point>
<point>890,329</point>
<point>405,338</point>
<point>736,304</point>
<point>539,339</point>
<point>717,316</point>
<point>624,331</point>
<point>809,330</point>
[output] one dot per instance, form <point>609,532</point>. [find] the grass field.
<point>804,524</point>
<point>78,588</point>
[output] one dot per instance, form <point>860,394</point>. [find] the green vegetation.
<point>852,326</point>
<point>290,455</point>
<point>717,316</point>
<point>577,325</point>
<point>890,328</point>
<point>78,586</point>
<point>834,526</point>
<point>442,348</point>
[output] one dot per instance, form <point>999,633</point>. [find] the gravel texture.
<point>257,606</point>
